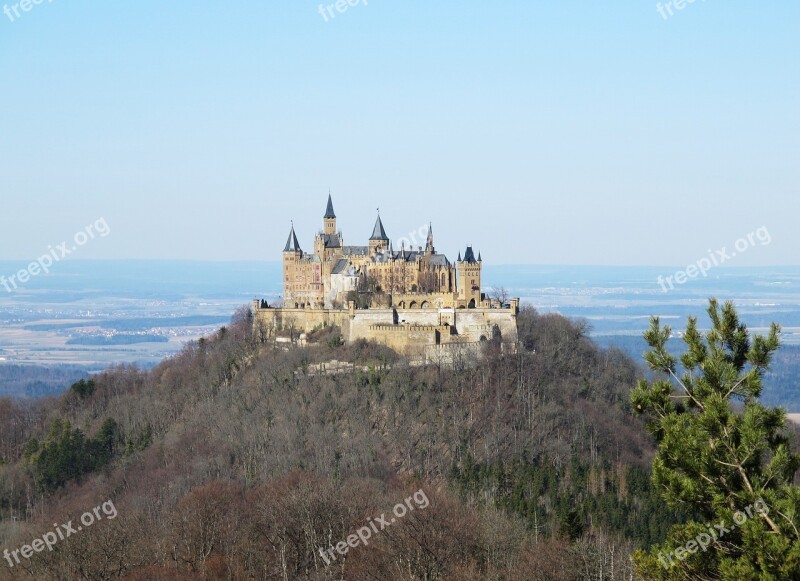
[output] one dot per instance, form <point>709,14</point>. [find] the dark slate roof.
<point>292,245</point>
<point>378,233</point>
<point>331,240</point>
<point>469,256</point>
<point>355,250</point>
<point>329,211</point>
<point>408,256</point>
<point>340,266</point>
<point>439,260</point>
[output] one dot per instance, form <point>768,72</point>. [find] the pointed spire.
<point>292,245</point>
<point>469,255</point>
<point>329,213</point>
<point>459,256</point>
<point>429,243</point>
<point>378,233</point>
<point>479,257</point>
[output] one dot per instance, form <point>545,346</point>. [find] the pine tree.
<point>723,458</point>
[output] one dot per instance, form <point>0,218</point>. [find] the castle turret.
<point>330,218</point>
<point>429,243</point>
<point>292,254</point>
<point>469,278</point>
<point>379,241</point>
<point>292,245</point>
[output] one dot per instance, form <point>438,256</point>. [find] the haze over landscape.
<point>544,133</point>
<point>463,372</point>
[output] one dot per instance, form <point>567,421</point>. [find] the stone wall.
<point>408,331</point>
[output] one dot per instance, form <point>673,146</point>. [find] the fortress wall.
<point>405,340</point>
<point>434,300</point>
<point>363,319</point>
<point>418,316</point>
<point>470,324</point>
<point>450,353</point>
<point>302,320</point>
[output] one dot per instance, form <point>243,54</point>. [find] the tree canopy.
<point>720,451</point>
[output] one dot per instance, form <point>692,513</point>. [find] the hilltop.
<point>233,459</point>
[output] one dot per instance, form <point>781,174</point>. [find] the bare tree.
<point>500,294</point>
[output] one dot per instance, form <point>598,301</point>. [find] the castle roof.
<point>340,266</point>
<point>292,245</point>
<point>378,233</point>
<point>331,240</point>
<point>412,256</point>
<point>439,260</point>
<point>469,256</point>
<point>355,250</point>
<point>329,213</point>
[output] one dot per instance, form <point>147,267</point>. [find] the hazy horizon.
<point>560,133</point>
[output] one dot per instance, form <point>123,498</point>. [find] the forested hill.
<point>233,460</point>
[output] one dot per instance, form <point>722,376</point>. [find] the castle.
<point>415,301</point>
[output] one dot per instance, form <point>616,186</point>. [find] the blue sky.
<point>563,132</point>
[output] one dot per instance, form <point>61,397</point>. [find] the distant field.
<point>120,339</point>
<point>98,313</point>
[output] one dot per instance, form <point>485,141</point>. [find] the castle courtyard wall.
<point>405,330</point>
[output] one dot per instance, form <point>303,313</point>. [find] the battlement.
<point>406,328</point>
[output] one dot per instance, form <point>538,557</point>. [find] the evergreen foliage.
<point>719,451</point>
<point>67,454</point>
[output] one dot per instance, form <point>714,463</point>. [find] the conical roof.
<point>292,245</point>
<point>469,256</point>
<point>329,213</point>
<point>378,233</point>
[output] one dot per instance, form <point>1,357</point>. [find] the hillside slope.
<point>233,460</point>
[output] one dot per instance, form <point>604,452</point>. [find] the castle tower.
<point>469,278</point>
<point>429,249</point>
<point>291,257</point>
<point>329,218</point>
<point>379,241</point>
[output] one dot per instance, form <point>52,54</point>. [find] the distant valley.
<point>87,316</point>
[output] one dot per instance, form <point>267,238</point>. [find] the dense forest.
<point>235,459</point>
<point>32,381</point>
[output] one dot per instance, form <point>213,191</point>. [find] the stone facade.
<point>421,299</point>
